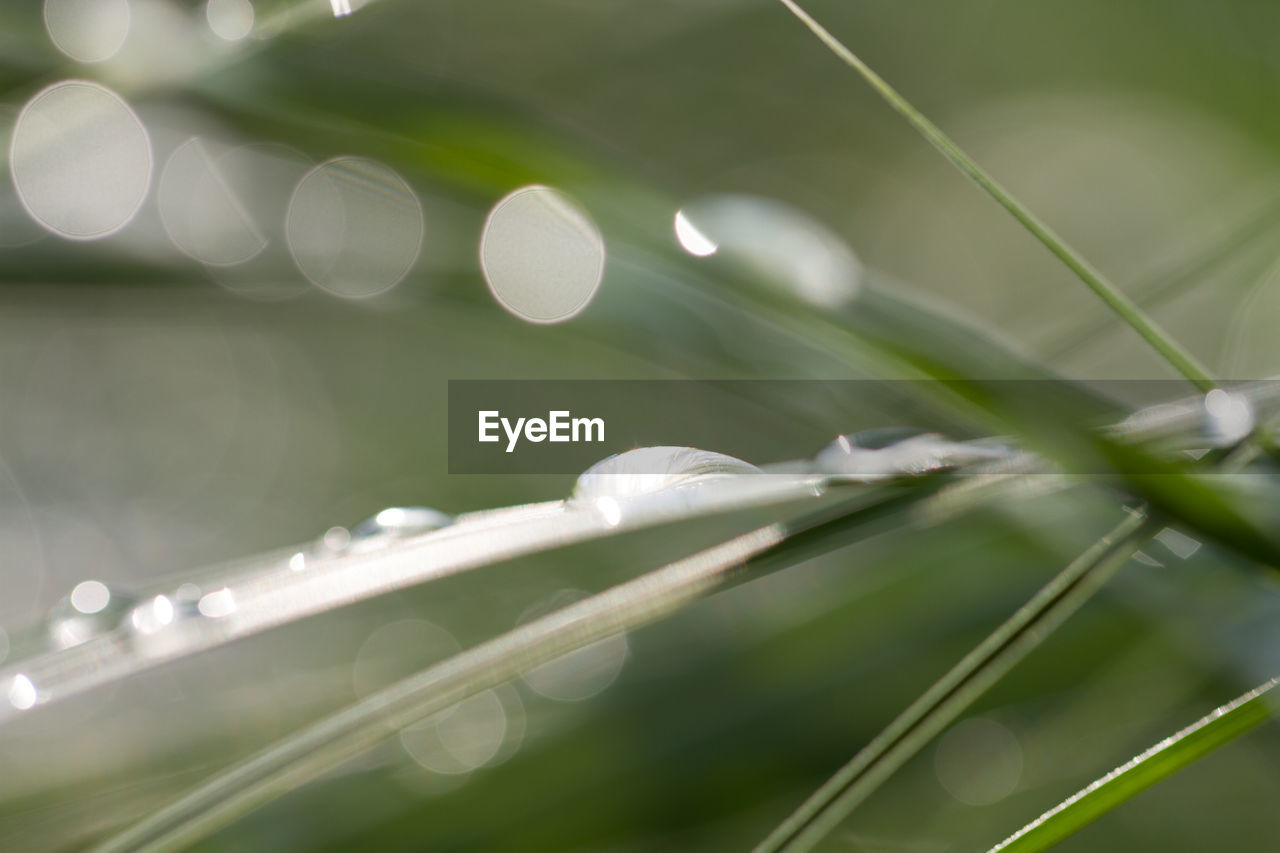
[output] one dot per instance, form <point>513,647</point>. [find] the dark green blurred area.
<point>152,420</point>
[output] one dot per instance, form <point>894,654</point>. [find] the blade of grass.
<point>827,807</point>
<point>1167,757</point>
<point>925,718</point>
<point>1128,310</point>
<point>305,754</point>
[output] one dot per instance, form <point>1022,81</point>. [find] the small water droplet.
<point>647,470</point>
<point>298,562</point>
<point>399,522</point>
<point>22,692</point>
<point>792,250</point>
<point>886,453</point>
<point>334,541</point>
<point>153,615</point>
<point>90,610</point>
<point>217,604</point>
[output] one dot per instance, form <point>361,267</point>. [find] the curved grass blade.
<point>1156,764</point>
<point>1128,310</point>
<point>827,807</point>
<point>311,751</point>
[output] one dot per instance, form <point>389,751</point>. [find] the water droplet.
<point>81,160</point>
<point>92,609</point>
<point>580,674</point>
<point>298,562</point>
<point>647,470</point>
<point>979,762</point>
<point>87,30</point>
<point>216,604</point>
<point>230,20</point>
<point>354,227</point>
<point>880,454</point>
<point>1228,417</point>
<point>22,692</point>
<point>789,248</point>
<point>542,256</point>
<point>693,240</point>
<point>399,522</point>
<point>153,615</point>
<point>335,540</point>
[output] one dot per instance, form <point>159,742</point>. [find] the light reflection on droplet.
<point>201,211</point>
<point>354,227</point>
<point>298,562</point>
<point>580,674</point>
<point>90,596</point>
<point>153,615</point>
<point>22,693</point>
<point>87,30</point>
<point>335,539</point>
<point>541,255</point>
<point>230,20</point>
<point>80,159</point>
<point>91,610</point>
<point>398,522</point>
<point>646,470</point>
<point>979,762</point>
<point>217,604</point>
<point>792,250</point>
<point>693,240</point>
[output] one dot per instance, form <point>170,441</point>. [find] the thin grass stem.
<point>1129,311</point>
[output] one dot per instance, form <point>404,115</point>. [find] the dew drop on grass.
<point>91,610</point>
<point>541,255</point>
<point>398,522</point>
<point>880,454</point>
<point>790,249</point>
<point>22,693</point>
<point>647,470</point>
<point>80,159</point>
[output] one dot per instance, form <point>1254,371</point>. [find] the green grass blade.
<point>311,751</point>
<point>942,703</point>
<point>1156,764</point>
<point>1128,310</point>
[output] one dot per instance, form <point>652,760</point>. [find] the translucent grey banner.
<point>564,426</point>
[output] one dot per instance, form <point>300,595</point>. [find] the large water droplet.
<point>92,609</point>
<point>791,250</point>
<point>647,470</point>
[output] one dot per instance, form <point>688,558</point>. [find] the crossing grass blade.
<point>1174,353</point>
<point>1161,761</point>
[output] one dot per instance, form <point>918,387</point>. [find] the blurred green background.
<point>157,414</point>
